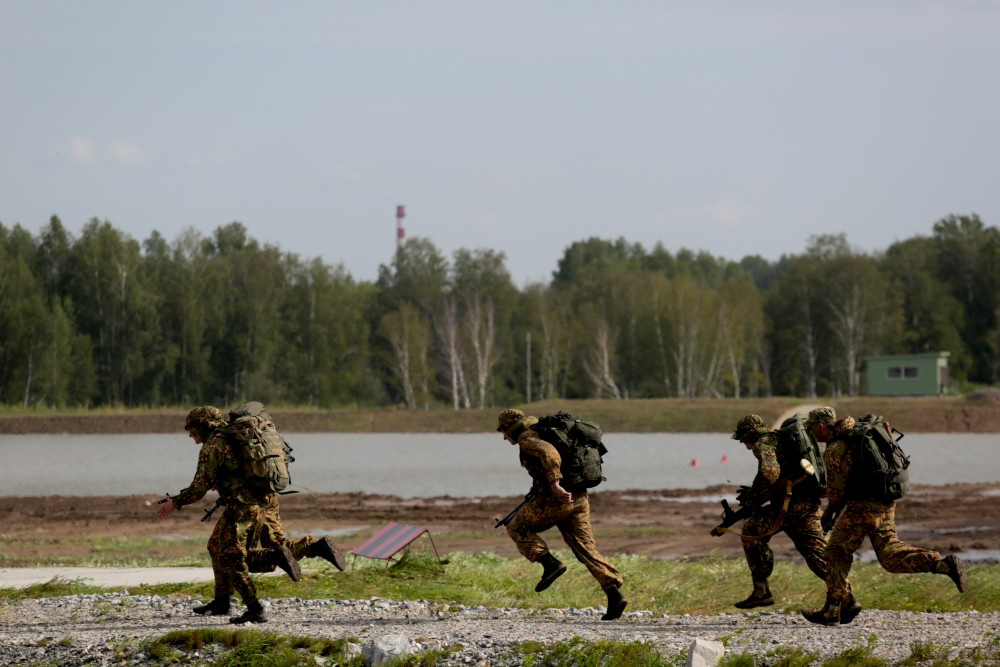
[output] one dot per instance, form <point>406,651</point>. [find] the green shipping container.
<point>908,374</point>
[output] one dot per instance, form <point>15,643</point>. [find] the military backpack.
<point>796,444</point>
<point>580,448</point>
<point>263,452</point>
<point>879,467</point>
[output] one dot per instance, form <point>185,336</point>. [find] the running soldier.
<point>853,516</point>
<point>800,521</point>
<point>554,506</point>
<point>271,534</point>
<point>232,561</point>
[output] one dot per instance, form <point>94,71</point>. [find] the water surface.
<point>425,465</point>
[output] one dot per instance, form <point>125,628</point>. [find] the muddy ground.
<point>660,524</point>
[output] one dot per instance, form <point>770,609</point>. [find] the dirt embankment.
<point>660,524</point>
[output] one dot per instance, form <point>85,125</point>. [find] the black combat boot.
<point>828,615</point>
<point>849,609</point>
<point>325,548</point>
<point>217,607</point>
<point>956,571</point>
<point>554,569</point>
<point>616,603</point>
<point>283,558</point>
<point>761,597</point>
<point>253,614</point>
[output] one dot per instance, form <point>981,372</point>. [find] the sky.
<point>731,127</point>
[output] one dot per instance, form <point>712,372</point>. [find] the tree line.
<point>101,319</point>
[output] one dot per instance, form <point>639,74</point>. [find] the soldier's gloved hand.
<point>743,495</point>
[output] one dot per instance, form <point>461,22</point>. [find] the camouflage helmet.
<point>508,418</point>
<point>822,415</point>
<point>750,424</point>
<point>206,416</point>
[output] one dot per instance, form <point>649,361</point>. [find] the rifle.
<point>513,513</point>
<point>211,510</point>
<point>750,506</point>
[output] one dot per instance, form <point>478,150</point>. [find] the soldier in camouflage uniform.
<point>554,506</point>
<point>854,516</point>
<point>800,521</point>
<point>219,469</point>
<point>270,534</point>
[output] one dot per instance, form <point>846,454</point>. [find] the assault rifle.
<point>777,492</point>
<point>208,513</point>
<point>513,513</point>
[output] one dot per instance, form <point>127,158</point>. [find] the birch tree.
<point>740,327</point>
<point>409,337</point>
<point>857,304</point>
<point>483,290</point>
<point>449,333</point>
<point>599,356</point>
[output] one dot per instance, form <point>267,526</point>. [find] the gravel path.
<point>31,631</point>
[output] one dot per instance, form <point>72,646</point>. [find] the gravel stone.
<point>84,629</point>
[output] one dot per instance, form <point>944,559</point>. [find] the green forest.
<point>102,319</point>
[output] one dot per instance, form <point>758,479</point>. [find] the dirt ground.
<point>661,524</point>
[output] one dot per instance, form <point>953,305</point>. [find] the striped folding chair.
<point>390,540</point>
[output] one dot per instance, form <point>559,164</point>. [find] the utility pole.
<point>527,356</point>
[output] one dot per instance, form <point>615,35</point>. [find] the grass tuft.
<point>248,647</point>
<point>601,653</point>
<point>697,587</point>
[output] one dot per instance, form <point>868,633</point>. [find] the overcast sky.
<point>732,127</point>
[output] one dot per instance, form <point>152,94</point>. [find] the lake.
<point>427,465</point>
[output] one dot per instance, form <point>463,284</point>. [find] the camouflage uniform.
<point>800,523</point>
<point>219,468</point>
<point>232,546</point>
<point>268,531</point>
<point>542,462</point>
<point>862,517</point>
<point>271,534</point>
<point>859,516</point>
<point>800,519</point>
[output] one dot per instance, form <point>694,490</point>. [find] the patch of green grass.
<point>584,653</point>
<point>987,654</point>
<point>927,653</point>
<point>637,531</point>
<point>701,586</point>
<point>858,656</point>
<point>792,657</point>
<point>247,647</point>
<point>60,587</point>
<point>56,587</point>
<point>104,552</point>
<point>253,648</point>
